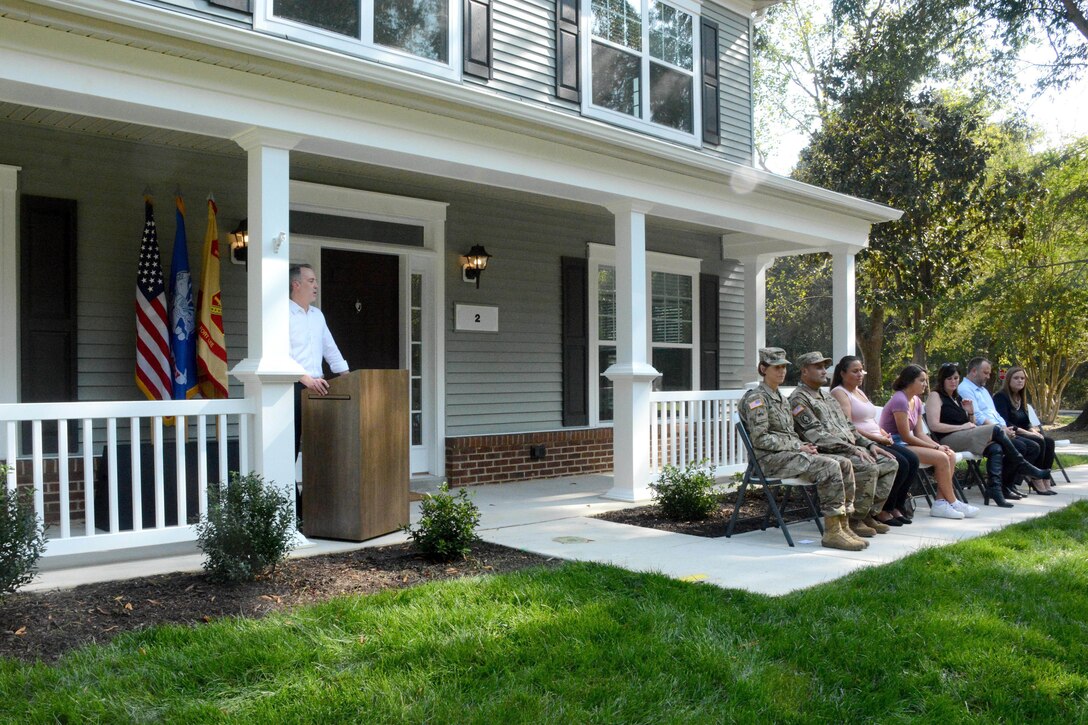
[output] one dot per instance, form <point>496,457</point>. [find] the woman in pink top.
<point>846,389</point>
<point>903,415</point>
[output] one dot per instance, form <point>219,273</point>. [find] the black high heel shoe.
<point>1012,494</point>
<point>1034,487</point>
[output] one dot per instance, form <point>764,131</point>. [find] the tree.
<point>1063,24</point>
<point>1036,295</point>
<point>924,156</point>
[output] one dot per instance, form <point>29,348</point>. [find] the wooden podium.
<point>355,456</point>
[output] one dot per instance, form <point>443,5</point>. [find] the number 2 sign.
<point>476,318</point>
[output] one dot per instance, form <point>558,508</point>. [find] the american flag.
<point>152,349</point>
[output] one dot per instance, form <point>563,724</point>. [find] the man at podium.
<point>311,341</point>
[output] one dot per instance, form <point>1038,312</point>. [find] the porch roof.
<point>340,107</point>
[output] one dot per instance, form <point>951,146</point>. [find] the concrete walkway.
<point>553,518</point>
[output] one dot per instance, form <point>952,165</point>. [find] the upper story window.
<point>420,35</point>
<point>640,67</point>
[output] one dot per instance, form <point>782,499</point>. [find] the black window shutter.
<point>566,50</point>
<point>708,42</point>
<point>477,21</point>
<point>243,5</point>
<point>575,282</point>
<point>709,349</point>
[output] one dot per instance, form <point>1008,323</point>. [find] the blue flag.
<point>182,314</point>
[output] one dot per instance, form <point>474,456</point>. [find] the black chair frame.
<point>753,474</point>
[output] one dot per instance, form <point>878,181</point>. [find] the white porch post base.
<point>631,431</point>
<point>271,384</point>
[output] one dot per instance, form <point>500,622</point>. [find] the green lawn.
<point>992,629</point>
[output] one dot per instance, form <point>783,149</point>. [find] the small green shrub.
<point>248,528</point>
<point>447,525</point>
<point>22,536</point>
<point>686,494</point>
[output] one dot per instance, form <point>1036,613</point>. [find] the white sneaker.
<point>944,510</point>
<point>968,511</point>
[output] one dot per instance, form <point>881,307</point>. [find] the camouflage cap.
<point>773,356</point>
<point>812,358</point>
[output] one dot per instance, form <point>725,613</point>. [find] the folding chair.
<point>1033,418</point>
<point>753,475</point>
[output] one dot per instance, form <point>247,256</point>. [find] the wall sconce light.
<point>239,243</point>
<point>474,263</point>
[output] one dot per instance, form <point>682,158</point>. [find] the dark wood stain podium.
<point>355,456</point>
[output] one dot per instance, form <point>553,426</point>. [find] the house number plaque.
<point>476,318</point>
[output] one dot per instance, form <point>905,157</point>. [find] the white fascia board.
<point>87,75</point>
<point>495,109</point>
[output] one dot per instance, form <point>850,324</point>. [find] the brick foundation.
<point>473,460</point>
<point>24,477</point>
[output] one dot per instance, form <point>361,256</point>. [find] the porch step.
<point>420,485</point>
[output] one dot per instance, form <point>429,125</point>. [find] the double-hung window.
<point>640,66</point>
<point>671,318</point>
<point>421,35</point>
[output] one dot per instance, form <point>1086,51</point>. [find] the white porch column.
<point>268,371</point>
<point>631,376</point>
<point>755,310</point>
<point>9,293</point>
<point>843,315</point>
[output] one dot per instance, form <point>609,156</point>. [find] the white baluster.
<point>88,475</point>
<point>111,454</point>
<point>201,464</point>
<point>38,465</point>
<point>137,475</point>
<point>181,433</point>
<point>62,477</point>
<point>160,496</point>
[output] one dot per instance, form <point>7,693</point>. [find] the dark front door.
<point>360,296</point>
<point>47,334</point>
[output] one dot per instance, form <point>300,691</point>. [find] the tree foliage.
<point>1036,294</point>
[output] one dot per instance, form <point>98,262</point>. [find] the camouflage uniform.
<point>818,419</point>
<point>766,415</point>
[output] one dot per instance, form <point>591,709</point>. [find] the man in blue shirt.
<point>973,388</point>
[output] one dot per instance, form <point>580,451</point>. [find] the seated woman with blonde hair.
<point>1012,405</point>
<point>903,417</point>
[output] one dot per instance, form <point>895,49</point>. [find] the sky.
<point>1061,115</point>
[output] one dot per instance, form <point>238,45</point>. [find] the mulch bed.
<point>46,625</point>
<point>714,525</point>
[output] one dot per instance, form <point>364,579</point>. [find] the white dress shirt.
<point>311,341</point>
<point>985,411</point>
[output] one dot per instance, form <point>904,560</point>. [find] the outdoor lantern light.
<point>475,262</point>
<point>239,243</point>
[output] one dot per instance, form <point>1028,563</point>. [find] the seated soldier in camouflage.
<point>781,453</point>
<point>818,418</point>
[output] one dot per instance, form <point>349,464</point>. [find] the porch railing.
<point>126,429</point>
<point>695,426</point>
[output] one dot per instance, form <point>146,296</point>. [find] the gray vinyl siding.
<point>107,179</point>
<point>732,371</point>
<point>511,381</point>
<point>735,84</point>
<point>523,40</point>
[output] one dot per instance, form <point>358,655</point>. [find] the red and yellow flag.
<point>211,344</point>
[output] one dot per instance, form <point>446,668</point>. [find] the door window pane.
<point>419,27</point>
<point>606,358</point>
<point>415,372</point>
<point>616,80</point>
<point>336,16</point>
<point>606,303</point>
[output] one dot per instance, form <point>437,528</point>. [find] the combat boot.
<point>836,538</point>
<point>878,526</point>
<point>859,527</point>
<point>844,520</point>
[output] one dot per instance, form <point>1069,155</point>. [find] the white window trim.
<point>644,124</point>
<point>264,21</point>
<point>604,254</point>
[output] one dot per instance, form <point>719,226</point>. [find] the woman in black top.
<point>1012,405</point>
<point>953,426</point>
